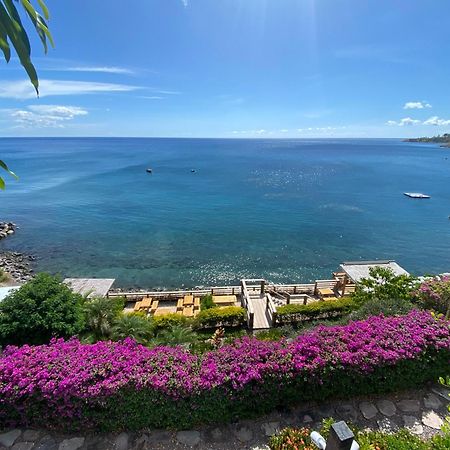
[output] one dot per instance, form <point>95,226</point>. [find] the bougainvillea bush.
<point>434,293</point>
<point>123,385</point>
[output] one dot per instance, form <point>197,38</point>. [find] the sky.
<point>235,69</point>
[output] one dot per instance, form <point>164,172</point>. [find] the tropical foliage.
<point>104,385</point>
<point>100,316</point>
<point>13,32</point>
<point>385,306</point>
<point>383,284</point>
<point>294,313</point>
<point>434,293</point>
<point>41,309</point>
<point>229,316</point>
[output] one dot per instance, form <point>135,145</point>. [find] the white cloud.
<point>152,97</point>
<point>185,3</point>
<point>406,121</point>
<point>24,90</point>
<point>436,121</point>
<point>101,69</point>
<point>45,116</point>
<point>416,105</point>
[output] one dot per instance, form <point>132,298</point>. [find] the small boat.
<point>416,195</point>
<point>192,170</point>
<point>149,170</point>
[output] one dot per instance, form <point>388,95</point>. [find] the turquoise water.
<point>285,210</point>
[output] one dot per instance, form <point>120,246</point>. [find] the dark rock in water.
<point>7,229</point>
<point>17,266</point>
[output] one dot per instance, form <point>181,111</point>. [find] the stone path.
<point>421,411</point>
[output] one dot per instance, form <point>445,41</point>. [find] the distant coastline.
<point>443,140</point>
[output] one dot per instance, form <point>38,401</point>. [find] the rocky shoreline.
<point>17,265</point>
<point>6,229</point>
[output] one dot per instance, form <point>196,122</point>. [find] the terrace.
<point>258,296</point>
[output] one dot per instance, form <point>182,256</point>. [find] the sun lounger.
<point>137,306</point>
<point>146,302</point>
<point>224,300</point>
<point>155,305</point>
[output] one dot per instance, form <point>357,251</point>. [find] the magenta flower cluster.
<point>68,376</point>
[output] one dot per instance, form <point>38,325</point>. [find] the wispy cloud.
<point>185,3</point>
<point>152,97</point>
<point>437,122</point>
<point>23,90</point>
<point>259,132</point>
<point>165,92</point>
<point>44,116</point>
<point>416,105</point>
<point>101,69</point>
<point>406,121</point>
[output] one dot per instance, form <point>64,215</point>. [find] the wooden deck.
<point>260,318</point>
<point>90,287</point>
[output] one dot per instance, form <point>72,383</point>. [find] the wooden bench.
<point>188,311</point>
<point>224,300</point>
<point>146,302</point>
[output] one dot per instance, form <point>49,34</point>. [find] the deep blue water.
<point>286,210</point>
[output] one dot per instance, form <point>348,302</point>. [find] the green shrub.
<point>230,316</point>
<point>100,316</point>
<point>168,321</point>
<point>176,335</point>
<point>135,326</point>
<point>318,310</point>
<point>41,309</point>
<point>275,334</point>
<point>383,284</point>
<point>385,306</point>
<point>207,302</point>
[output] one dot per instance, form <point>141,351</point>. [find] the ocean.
<point>216,210</point>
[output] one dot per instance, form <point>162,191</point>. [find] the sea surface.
<point>285,210</point>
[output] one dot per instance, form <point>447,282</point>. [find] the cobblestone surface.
<point>421,411</point>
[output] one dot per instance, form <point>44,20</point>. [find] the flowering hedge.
<point>110,385</point>
<point>434,293</point>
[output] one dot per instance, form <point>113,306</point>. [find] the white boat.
<point>416,195</point>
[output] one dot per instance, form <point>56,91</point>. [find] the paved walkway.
<point>421,411</point>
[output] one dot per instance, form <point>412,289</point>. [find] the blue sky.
<point>236,68</point>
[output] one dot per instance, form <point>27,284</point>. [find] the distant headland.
<point>443,139</point>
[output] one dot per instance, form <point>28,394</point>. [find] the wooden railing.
<point>271,310</point>
<point>216,290</point>
<point>245,301</point>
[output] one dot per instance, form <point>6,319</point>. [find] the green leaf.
<point>2,184</point>
<point>29,8</point>
<point>4,43</point>
<point>5,167</point>
<point>19,39</point>
<point>44,9</point>
<point>16,23</point>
